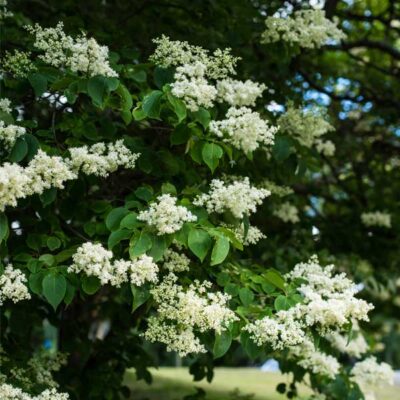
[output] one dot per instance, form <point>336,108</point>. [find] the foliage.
<point>176,201</point>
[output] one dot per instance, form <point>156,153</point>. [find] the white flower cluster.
<point>5,105</point>
<point>306,28</point>
<point>328,302</point>
<point>182,311</point>
<point>356,347</point>
<point>238,93</point>
<point>377,218</point>
<point>165,216</point>
<point>39,370</point>
<point>239,197</point>
<point>307,127</point>
<point>101,159</point>
<point>174,261</point>
<point>18,63</point>
<point>95,260</point>
<point>280,191</point>
<point>280,331</point>
<point>287,213</point>
<point>315,361</point>
<point>44,172</point>
<point>325,147</point>
<point>79,55</point>
<point>369,375</point>
<point>254,235</point>
<point>10,133</point>
<point>4,11</point>
<point>13,285</point>
<point>8,392</point>
<point>192,86</point>
<point>194,68</point>
<point>244,129</point>
<point>176,53</point>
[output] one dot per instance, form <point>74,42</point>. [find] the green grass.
<point>174,383</point>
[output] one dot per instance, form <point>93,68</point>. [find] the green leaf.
<point>152,104</point>
<point>275,279</point>
<point>199,242</point>
<point>35,282</point>
<point>4,230</point>
<point>220,250</point>
<point>211,154</point>
<point>33,146</point>
<point>19,150</point>
<point>180,135</point>
<point>53,243</point>
<point>48,196</point>
<point>222,343</point>
<point>251,348</point>
<point>158,248</point>
<point>162,76</point>
<point>118,236</point>
<point>54,287</point>
<point>90,284</point>
<point>130,221</point>
<point>98,87</point>
<point>282,303</point>
<point>142,244</point>
<point>38,82</point>
<point>48,259</point>
<point>282,148</point>
<point>178,106</point>
<point>144,193</point>
<point>114,218</point>
<point>203,117</point>
<point>246,296</point>
<point>140,296</point>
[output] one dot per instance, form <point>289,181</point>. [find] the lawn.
<point>174,383</point>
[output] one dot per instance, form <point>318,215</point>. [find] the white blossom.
<point>94,260</point>
<point>325,147</point>
<point>9,392</point>
<point>238,93</point>
<point>101,159</point>
<point>192,87</point>
<point>306,126</point>
<point>315,361</point>
<point>279,332</point>
<point>176,53</point>
<point>369,375</point>
<point>306,28</point>
<point>80,54</point>
<point>278,190</point>
<point>13,285</point>
<point>10,133</point>
<point>287,213</point>
<point>181,340</point>
<point>5,105</point>
<point>165,216</point>
<point>329,300</point>
<point>356,347</point>
<point>4,11</point>
<point>44,172</point>
<point>239,197</point>
<point>254,235</point>
<point>174,261</point>
<point>18,63</point>
<point>377,218</point>
<point>244,129</point>
<point>180,311</point>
